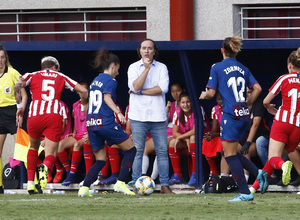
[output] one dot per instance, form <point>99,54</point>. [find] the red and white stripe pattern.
<point>289,86</point>
<point>41,107</point>
<point>288,117</point>
<point>46,87</point>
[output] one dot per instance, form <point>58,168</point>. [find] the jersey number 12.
<point>234,83</point>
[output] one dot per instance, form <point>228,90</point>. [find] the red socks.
<point>212,164</point>
<point>88,155</point>
<point>114,159</point>
<point>32,158</point>
<point>33,161</point>
<point>276,162</point>
<point>58,165</point>
<point>76,158</point>
<point>105,169</point>
<point>193,154</point>
<point>269,169</point>
<point>49,162</point>
<point>175,161</point>
<point>64,159</point>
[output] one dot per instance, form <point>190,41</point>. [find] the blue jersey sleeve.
<point>110,87</point>
<point>213,81</point>
<point>251,80</point>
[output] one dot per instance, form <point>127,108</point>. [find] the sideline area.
<point>57,188</point>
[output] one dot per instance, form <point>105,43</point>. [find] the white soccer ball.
<point>145,185</point>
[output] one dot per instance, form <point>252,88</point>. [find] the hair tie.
<point>227,50</point>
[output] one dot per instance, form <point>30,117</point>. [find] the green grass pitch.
<point>156,206</point>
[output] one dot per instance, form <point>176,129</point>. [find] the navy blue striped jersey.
<point>232,78</point>
<point>99,113</point>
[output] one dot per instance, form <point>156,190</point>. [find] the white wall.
<point>213,19</point>
<point>218,19</point>
<point>158,11</point>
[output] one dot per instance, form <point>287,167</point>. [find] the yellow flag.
<point>22,146</point>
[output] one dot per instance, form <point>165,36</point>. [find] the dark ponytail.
<point>104,58</point>
<point>181,114</point>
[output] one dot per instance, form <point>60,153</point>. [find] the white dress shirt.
<point>148,108</point>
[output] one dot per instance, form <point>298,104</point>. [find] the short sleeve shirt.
<point>99,113</point>
<point>46,87</point>
<point>79,119</point>
<point>7,82</point>
<point>289,86</point>
<point>232,78</point>
<point>189,122</point>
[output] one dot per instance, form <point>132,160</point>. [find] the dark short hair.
<point>154,45</point>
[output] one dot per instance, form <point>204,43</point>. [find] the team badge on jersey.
<point>7,90</point>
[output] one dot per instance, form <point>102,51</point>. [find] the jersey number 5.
<point>46,86</point>
<point>234,83</point>
<point>95,99</point>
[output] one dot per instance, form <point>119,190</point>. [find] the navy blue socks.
<point>248,165</point>
<point>237,172</point>
<point>126,164</point>
<point>92,174</point>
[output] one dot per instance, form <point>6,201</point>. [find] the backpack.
<point>11,177</point>
<point>216,184</point>
<point>212,184</point>
<point>227,184</point>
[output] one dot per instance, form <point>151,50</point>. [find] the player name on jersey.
<point>294,80</point>
<point>96,83</point>
<point>50,74</point>
<point>234,68</point>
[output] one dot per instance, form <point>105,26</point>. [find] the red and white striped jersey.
<point>46,87</point>
<point>289,86</point>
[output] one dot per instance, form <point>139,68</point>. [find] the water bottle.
<point>59,192</point>
<point>9,192</point>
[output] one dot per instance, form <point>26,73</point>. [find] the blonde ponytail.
<point>294,58</point>
<point>232,46</point>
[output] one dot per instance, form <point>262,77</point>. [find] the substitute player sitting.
<point>73,142</point>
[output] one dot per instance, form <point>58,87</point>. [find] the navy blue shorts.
<point>232,130</point>
<point>112,134</point>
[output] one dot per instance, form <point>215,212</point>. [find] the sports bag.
<point>11,177</point>
<point>216,184</point>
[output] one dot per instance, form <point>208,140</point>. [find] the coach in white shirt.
<point>148,81</point>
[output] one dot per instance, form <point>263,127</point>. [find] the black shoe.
<point>280,183</point>
<point>40,191</point>
<point>273,180</point>
<point>295,182</point>
<point>156,181</point>
<point>1,190</point>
